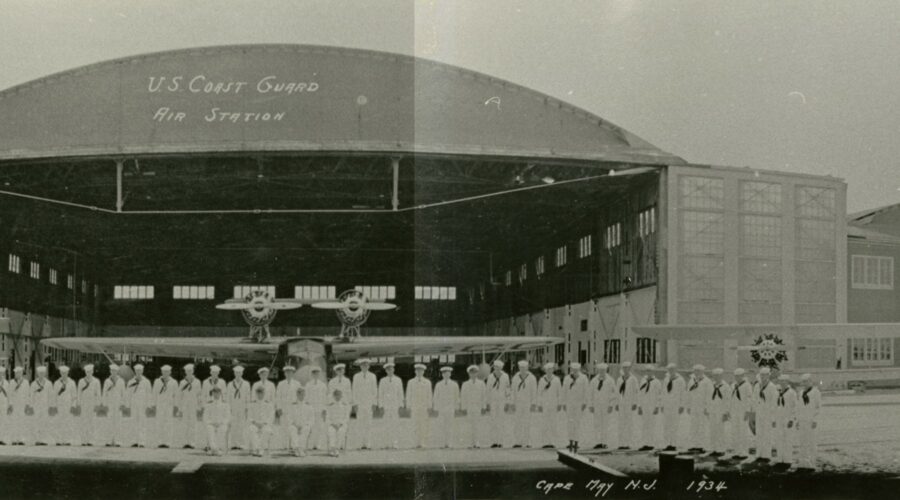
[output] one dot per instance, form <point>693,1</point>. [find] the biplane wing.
<point>171,347</point>
<point>379,347</point>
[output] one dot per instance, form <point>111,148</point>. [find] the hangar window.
<point>241,291</point>
<point>315,292</point>
<point>611,350</point>
<point>192,292</point>
<point>561,255</point>
<point>815,202</point>
<point>761,236</point>
<point>646,350</point>
<point>872,272</point>
<point>872,351</point>
<point>70,282</point>
<point>133,292</point>
<point>647,222</point>
<point>378,292</point>
<point>15,264</point>
<point>815,239</point>
<point>705,193</point>
<point>584,246</point>
<point>508,278</point>
<point>613,236</point>
<point>702,233</point>
<point>53,276</point>
<point>35,271</point>
<point>523,273</point>
<point>84,286</point>
<point>761,197</point>
<point>539,266</point>
<point>481,291</point>
<point>435,292</point>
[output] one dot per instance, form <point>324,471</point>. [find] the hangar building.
<point>137,193</point>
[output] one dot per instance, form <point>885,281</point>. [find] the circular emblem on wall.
<point>262,313</point>
<point>354,313</point>
<point>769,351</point>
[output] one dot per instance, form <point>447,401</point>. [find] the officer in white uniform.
<point>89,401</point>
<point>65,399</point>
<point>267,385</point>
<point>212,381</point>
<point>576,398</point>
<point>627,385</point>
<point>785,419</point>
<point>190,408</point>
<point>301,419</point>
<point>765,400</point>
<point>237,395</point>
<point>649,406</point>
<point>41,401</point>
<point>4,408</point>
<point>165,393</point>
<point>498,400</point>
<point>419,402</point>
<point>317,395</point>
<point>260,418</point>
<point>473,401</point>
<point>19,400</point>
<point>699,394</point>
<point>113,402</point>
<point>337,418</point>
<point>719,411</point>
<point>340,382</point>
<point>809,403</point>
<point>138,398</point>
<point>445,404</point>
<point>524,392</point>
<point>603,396</point>
<point>390,400</point>
<point>741,408</point>
<point>365,398</point>
<point>673,397</point>
<point>285,395</point>
<point>216,418</point>
<point>549,401</point>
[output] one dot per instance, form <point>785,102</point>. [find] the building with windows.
<point>873,247</point>
<point>166,183</point>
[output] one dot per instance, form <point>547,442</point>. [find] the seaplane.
<point>260,348</point>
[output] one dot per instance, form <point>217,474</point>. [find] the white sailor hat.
<point>238,369</point>
<point>738,372</point>
<point>364,361</point>
<point>339,366</point>
<point>112,367</point>
<point>138,366</point>
<point>63,369</point>
<point>315,368</point>
<point>523,363</point>
<point>89,366</point>
<point>498,363</point>
<point>649,367</point>
<point>42,369</point>
<point>765,370</point>
<point>262,370</point>
<point>389,364</point>
<point>718,371</point>
<point>805,377</point>
<point>289,368</point>
<point>446,369</point>
<point>602,366</point>
<point>626,364</point>
<point>189,367</point>
<point>574,365</point>
<point>784,378</point>
<point>214,369</point>
<point>165,368</point>
<point>671,366</point>
<point>699,367</point>
<point>472,369</point>
<point>549,366</point>
<point>18,369</point>
<point>419,366</point>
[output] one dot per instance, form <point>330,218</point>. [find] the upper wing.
<point>414,346</point>
<point>171,347</point>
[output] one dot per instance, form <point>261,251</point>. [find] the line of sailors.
<point>648,411</point>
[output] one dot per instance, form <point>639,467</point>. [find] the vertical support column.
<point>395,199</point>
<point>120,166</point>
<point>788,248</point>
<point>732,248</point>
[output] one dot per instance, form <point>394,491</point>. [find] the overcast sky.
<point>805,86</point>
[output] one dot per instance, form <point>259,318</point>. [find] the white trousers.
<point>573,422</point>
<point>444,428</point>
<point>18,431</point>
<point>523,425</point>
<point>471,426</point>
<point>86,426</point>
<point>649,433</point>
<point>671,418</point>
<point>626,426</point>
<point>391,427</point>
<point>136,426</point>
<point>603,424</point>
<point>420,421</point>
<point>785,440</point>
<point>259,437</point>
<point>216,437</point>
<point>364,424</point>
<point>548,420</point>
<point>319,434</point>
<point>699,429</point>
<point>764,436</point>
<point>337,436</point>
<point>740,435</point>
<point>186,433</point>
<point>717,442</point>
<point>808,444</point>
<point>300,437</point>
<point>498,422</point>
<point>39,425</point>
<point>163,426</point>
<point>237,438</point>
<point>63,425</point>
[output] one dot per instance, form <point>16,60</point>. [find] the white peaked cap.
<point>699,367</point>
<point>42,369</point>
<point>739,371</point>
<point>63,369</point>
<point>626,364</point>
<point>289,368</point>
<point>549,366</point>
<point>765,370</point>
<point>671,365</point>
<point>113,367</point>
<point>649,367</point>
<point>805,377</point>
<point>498,363</point>
<point>189,367</point>
<point>472,368</point>
<point>18,369</point>
<point>238,369</point>
<point>315,368</point>
<point>419,366</point>
<point>138,366</point>
<point>389,365</point>
<point>214,369</point>
<point>340,366</point>
<point>446,369</point>
<point>363,361</point>
<point>165,368</point>
<point>573,365</point>
<point>88,366</point>
<point>784,378</point>
<point>262,370</point>
<point>718,371</point>
<point>603,366</point>
<point>523,364</point>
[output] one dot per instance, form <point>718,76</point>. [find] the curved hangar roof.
<point>298,98</point>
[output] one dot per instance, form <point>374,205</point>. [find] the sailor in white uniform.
<point>190,409</point>
<point>217,417</point>
<point>419,402</point>
<point>627,405</point>
<point>673,397</point>
<point>5,419</point>
<point>765,398</point>
<point>719,411</point>
<point>237,395</point>
<point>445,403</point>
<point>785,420</point>
<point>301,419</point>
<point>809,403</point>
<point>90,395</point>
<point>741,409</point>
<point>41,401</point>
<point>317,395</point>
<point>390,400</point>
<point>603,402</point>
<point>19,401</point>
<point>337,417</point>
<point>113,403</point>
<point>364,398</point>
<point>65,400</point>
<point>576,398</point>
<point>549,401</point>
<point>165,393</point>
<point>473,401</point>
<point>285,395</point>
<point>649,407</point>
<point>138,399</point>
<point>699,395</point>
<point>260,418</point>
<point>498,401</point>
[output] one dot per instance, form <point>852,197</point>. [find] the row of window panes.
<point>872,350</point>
<point>34,271</point>
<point>585,245</point>
<point>647,222</point>
<point>613,236</point>
<point>193,292</point>
<point>380,292</point>
<point>133,292</point>
<point>872,272</point>
<point>315,292</point>
<point>241,291</point>
<point>435,293</point>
